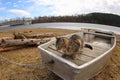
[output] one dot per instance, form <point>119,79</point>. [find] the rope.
<point>36,65</point>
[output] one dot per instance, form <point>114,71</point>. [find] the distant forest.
<point>98,18</point>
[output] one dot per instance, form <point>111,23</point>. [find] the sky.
<point>31,8</point>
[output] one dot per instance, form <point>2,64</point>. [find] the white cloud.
<point>20,12</point>
<point>1,18</point>
<point>2,8</point>
<point>70,7</point>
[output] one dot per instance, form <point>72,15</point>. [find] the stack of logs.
<point>20,40</point>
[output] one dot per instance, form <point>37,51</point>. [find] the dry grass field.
<point>32,55</point>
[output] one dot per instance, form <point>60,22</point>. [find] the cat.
<point>62,43</point>
<point>71,46</point>
<point>79,40</point>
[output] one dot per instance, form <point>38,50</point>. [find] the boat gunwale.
<point>71,63</point>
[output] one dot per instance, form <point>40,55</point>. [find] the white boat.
<point>88,64</point>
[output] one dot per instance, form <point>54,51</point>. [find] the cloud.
<point>20,12</point>
<point>1,18</point>
<point>70,7</point>
<point>2,8</point>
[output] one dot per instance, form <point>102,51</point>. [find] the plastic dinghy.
<point>88,64</point>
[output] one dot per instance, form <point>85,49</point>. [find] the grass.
<point>27,56</point>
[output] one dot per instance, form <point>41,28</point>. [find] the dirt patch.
<point>32,55</point>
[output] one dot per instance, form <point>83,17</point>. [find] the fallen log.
<point>23,42</point>
<point>2,49</point>
<point>43,35</point>
<point>6,38</point>
<point>24,36</point>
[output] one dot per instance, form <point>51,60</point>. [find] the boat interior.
<point>100,41</point>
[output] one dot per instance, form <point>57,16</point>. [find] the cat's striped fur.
<point>71,46</point>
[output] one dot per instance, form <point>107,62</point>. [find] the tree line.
<point>15,21</point>
<point>98,18</point>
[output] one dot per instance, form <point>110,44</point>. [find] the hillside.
<point>99,18</point>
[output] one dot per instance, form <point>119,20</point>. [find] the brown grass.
<point>10,71</point>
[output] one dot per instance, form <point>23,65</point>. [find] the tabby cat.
<point>71,46</point>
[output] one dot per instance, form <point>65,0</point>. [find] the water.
<point>65,25</point>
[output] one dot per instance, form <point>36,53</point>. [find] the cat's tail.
<point>88,46</point>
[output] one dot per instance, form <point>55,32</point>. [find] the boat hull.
<point>67,70</point>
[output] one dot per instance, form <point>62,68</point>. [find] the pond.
<point>67,25</point>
